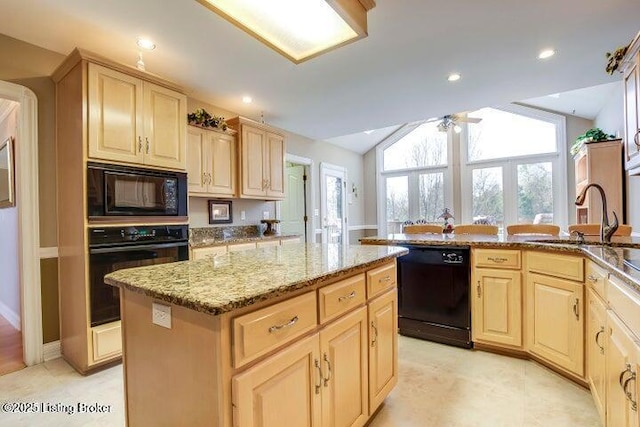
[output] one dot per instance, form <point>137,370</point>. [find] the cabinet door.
<point>223,159</point>
<point>253,153</point>
<point>595,341</point>
<point>631,113</point>
<point>115,116</point>
<point>343,348</point>
<point>497,306</point>
<point>621,358</point>
<point>165,122</point>
<point>202,253</point>
<point>275,166</point>
<point>383,347</point>
<point>281,390</point>
<point>555,321</point>
<point>197,166</point>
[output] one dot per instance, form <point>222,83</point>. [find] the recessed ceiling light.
<point>247,99</point>
<point>369,132</point>
<point>454,77</point>
<point>554,95</point>
<point>547,53</point>
<point>145,43</point>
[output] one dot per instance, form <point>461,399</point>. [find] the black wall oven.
<point>116,248</point>
<point>125,191</point>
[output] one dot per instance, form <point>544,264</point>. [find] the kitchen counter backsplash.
<point>224,233</point>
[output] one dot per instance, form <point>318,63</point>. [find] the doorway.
<point>333,206</point>
<point>294,211</point>
<point>27,252</point>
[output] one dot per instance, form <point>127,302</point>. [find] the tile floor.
<point>438,386</point>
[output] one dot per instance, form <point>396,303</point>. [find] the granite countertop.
<point>207,241</point>
<point>224,283</point>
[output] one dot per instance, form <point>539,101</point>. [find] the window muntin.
<point>422,147</point>
<point>502,134</point>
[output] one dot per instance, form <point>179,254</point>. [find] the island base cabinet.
<point>555,321</point>
<point>282,390</point>
<point>497,307</point>
<point>595,342</point>
<point>321,381</point>
<point>621,370</point>
<point>383,347</point>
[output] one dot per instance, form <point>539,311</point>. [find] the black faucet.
<point>606,229</point>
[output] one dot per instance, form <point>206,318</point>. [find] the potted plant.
<point>592,135</point>
<point>202,118</point>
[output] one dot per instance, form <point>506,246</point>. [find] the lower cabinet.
<point>595,345</point>
<point>555,323</point>
<point>383,347</point>
<point>497,306</point>
<point>621,369</point>
<point>320,381</point>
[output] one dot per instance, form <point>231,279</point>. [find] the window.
<point>511,166</point>
<point>414,175</point>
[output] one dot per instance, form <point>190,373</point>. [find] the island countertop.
<point>235,280</point>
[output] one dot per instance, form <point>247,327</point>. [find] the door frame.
<point>28,204</point>
<point>309,167</point>
<point>324,168</point>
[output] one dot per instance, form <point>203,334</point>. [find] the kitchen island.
<point>302,333</point>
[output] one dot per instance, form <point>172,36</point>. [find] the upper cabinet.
<point>135,121</point>
<point>261,150</point>
<point>631,71</point>
<point>211,160</point>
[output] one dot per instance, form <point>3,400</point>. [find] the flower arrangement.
<point>201,118</point>
<point>595,134</point>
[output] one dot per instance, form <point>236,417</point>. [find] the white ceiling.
<point>396,75</point>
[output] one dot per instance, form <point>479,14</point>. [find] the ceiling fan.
<point>452,121</point>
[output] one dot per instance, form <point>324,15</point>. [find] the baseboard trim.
<point>50,252</point>
<point>52,350</point>
<point>12,317</point>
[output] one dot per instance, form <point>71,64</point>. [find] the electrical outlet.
<point>161,315</point>
<point>265,215</point>
<point>243,215</point>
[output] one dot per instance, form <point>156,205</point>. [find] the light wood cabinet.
<point>555,321</point>
<point>631,72</point>
<point>621,369</point>
<point>135,121</point>
<point>261,151</point>
<point>211,163</point>
<point>383,347</point>
<point>201,253</point>
<point>284,389</point>
<point>497,306</point>
<point>599,163</point>
<point>595,346</point>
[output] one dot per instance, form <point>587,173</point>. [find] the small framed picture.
<point>220,212</point>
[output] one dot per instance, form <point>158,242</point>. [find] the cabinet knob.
<point>139,144</point>
<point>479,289</point>
<point>147,140</point>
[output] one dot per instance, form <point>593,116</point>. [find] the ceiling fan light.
<point>457,128</point>
<point>297,29</point>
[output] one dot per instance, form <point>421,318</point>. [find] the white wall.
<point>9,268</point>
<point>254,209</point>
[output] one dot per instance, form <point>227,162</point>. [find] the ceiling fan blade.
<point>468,119</point>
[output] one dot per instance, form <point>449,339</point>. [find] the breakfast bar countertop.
<point>225,283</point>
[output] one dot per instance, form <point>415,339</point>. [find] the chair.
<point>422,228</point>
<point>594,229</point>
<point>476,229</point>
<point>544,229</point>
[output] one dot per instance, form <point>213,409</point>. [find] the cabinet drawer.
<point>107,341</point>
<point>261,331</point>
<point>625,303</point>
<point>553,264</point>
<point>380,279</point>
<point>241,247</point>
<point>340,297</point>
<point>497,258</point>
<point>596,278</point>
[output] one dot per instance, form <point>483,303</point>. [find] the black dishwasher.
<point>433,294</point>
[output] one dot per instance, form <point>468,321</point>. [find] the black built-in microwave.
<point>114,190</point>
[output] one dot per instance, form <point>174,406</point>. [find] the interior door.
<point>293,205</point>
<point>333,204</point>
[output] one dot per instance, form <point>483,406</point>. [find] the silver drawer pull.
<point>384,279</point>
<point>289,324</point>
<point>592,278</point>
<point>499,260</point>
<point>350,296</point>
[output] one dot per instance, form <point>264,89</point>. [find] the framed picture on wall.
<point>220,212</point>
<point>7,195</point>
